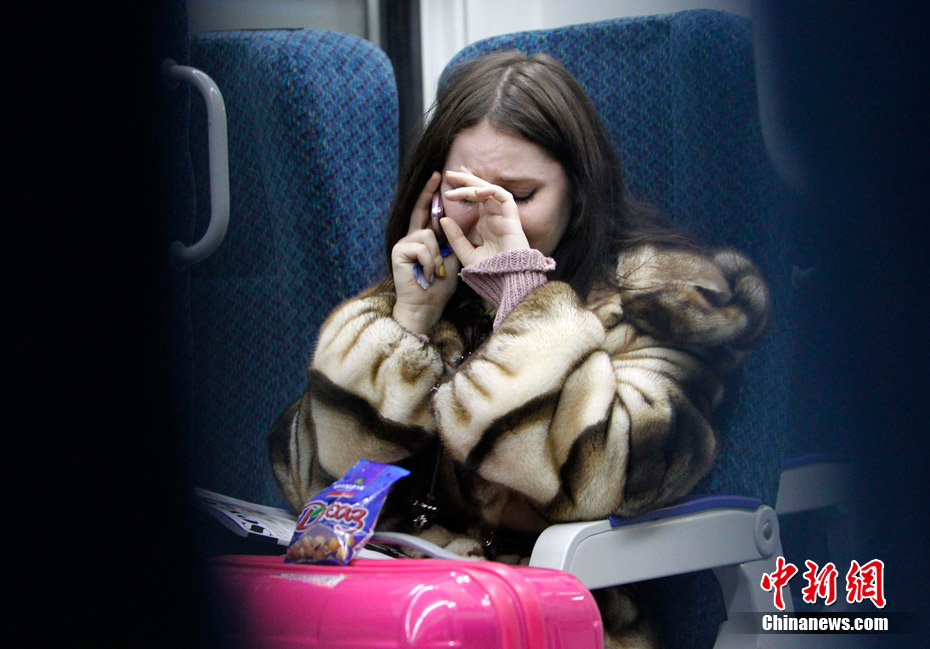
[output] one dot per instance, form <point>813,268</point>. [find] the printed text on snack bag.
<point>350,516</point>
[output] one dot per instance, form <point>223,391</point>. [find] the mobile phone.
<point>436,213</point>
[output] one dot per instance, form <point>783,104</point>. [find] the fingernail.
<point>442,270</point>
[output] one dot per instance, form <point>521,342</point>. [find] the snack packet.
<point>337,522</point>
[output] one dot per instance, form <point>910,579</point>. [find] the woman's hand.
<point>498,226</point>
<point>420,303</point>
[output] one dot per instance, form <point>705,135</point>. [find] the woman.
<point>561,363</point>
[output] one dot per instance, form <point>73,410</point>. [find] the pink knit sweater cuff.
<point>508,277</point>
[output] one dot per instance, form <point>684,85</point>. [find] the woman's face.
<point>537,182</point>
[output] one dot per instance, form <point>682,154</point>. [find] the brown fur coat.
<point>571,410</point>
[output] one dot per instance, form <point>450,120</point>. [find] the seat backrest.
<point>312,127</point>
<point>678,98</point>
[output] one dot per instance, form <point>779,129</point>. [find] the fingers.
<point>419,217</point>
<point>498,227</point>
<point>460,244</point>
<point>422,249</point>
<point>413,260</point>
<point>475,189</point>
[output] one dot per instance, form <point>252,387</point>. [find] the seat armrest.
<point>700,533</point>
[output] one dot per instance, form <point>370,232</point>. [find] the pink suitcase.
<point>402,603</point>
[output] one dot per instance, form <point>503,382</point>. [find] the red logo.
<point>866,581</point>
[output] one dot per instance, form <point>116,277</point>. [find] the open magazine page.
<point>248,519</point>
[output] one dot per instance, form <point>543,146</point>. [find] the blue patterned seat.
<point>312,124</point>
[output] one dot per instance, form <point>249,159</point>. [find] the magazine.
<point>248,519</point>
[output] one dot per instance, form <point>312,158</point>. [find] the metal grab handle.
<point>180,254</point>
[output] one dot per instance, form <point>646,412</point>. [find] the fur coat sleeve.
<point>579,408</point>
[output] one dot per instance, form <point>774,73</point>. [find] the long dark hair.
<point>536,98</point>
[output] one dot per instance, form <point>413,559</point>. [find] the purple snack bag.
<point>337,522</point>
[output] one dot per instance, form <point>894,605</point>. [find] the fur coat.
<point>572,409</point>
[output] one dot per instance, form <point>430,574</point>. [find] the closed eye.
<point>525,198</point>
